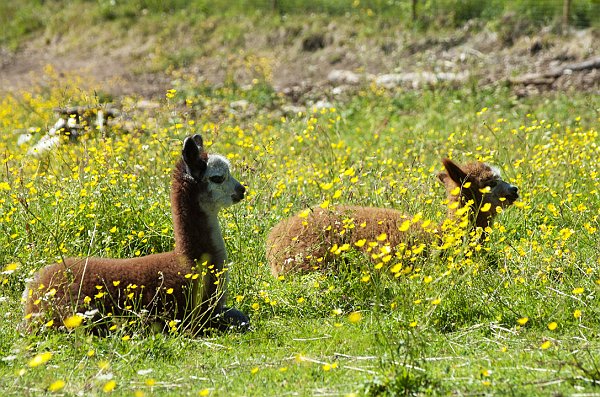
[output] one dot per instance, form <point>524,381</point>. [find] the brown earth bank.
<point>329,57</point>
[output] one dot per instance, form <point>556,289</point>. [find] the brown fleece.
<point>158,282</point>
<point>304,243</point>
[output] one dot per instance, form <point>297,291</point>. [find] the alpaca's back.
<point>110,285</point>
<point>305,241</point>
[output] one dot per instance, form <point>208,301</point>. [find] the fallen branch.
<point>549,76</point>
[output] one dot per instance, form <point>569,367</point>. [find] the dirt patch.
<point>305,57</point>
<point>37,64</point>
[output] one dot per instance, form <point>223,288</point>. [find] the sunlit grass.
<point>471,320</point>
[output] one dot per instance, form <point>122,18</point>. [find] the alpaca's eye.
<point>492,184</point>
<point>217,179</point>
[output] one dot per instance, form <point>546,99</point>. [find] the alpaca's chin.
<point>236,198</point>
<point>511,199</point>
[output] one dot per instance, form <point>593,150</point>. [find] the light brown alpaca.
<point>304,242</point>
<point>186,285</point>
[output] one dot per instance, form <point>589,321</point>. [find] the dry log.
<point>549,76</point>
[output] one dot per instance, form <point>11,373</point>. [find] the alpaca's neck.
<point>476,218</point>
<point>197,230</point>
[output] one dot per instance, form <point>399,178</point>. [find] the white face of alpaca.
<point>222,189</point>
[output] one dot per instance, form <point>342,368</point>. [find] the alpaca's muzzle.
<point>239,193</point>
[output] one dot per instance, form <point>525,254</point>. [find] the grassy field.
<point>518,315</point>
<point>84,19</point>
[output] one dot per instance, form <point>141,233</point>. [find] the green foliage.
<point>404,381</point>
<point>19,20</point>
<point>59,16</point>
<point>470,320</point>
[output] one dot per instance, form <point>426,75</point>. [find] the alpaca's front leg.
<point>229,318</point>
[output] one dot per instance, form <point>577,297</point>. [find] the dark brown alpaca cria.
<point>184,287</point>
<point>304,242</point>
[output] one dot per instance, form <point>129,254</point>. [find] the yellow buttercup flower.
<point>109,386</point>
<point>39,359</point>
<point>545,345</point>
<point>56,385</point>
<point>354,317</point>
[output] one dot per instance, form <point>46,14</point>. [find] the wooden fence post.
<point>414,10</point>
<point>566,14</point>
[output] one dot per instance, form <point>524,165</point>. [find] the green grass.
<point>490,331</point>
<point>518,317</point>
<point>72,19</point>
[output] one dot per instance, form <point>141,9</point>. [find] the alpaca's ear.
<point>454,172</point>
<point>194,156</point>
<point>200,142</point>
<point>197,138</point>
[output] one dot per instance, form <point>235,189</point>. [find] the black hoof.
<point>230,319</point>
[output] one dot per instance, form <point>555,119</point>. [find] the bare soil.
<point>303,60</point>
